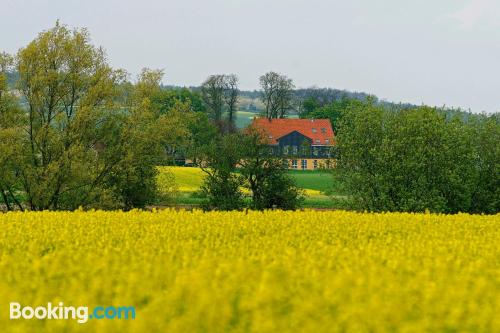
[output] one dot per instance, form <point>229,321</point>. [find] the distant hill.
<point>250,103</point>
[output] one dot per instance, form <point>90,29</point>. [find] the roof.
<point>318,130</point>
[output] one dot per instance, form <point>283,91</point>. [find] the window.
<point>318,141</point>
<point>294,164</point>
<point>315,164</point>
<point>323,130</point>
<point>285,150</point>
<point>315,151</point>
<point>314,130</point>
<point>304,164</point>
<point>270,136</point>
<point>295,150</point>
<point>304,150</point>
<point>327,141</point>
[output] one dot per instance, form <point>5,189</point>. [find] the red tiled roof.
<point>315,129</point>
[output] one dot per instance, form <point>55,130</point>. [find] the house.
<point>306,143</point>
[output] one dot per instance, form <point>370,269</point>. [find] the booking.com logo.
<point>80,313</point>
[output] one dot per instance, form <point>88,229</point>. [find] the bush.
<point>416,160</point>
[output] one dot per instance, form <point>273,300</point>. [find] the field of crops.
<point>256,272</point>
<point>315,185</point>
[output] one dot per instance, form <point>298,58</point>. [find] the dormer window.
<point>327,141</point>
<point>318,141</point>
<point>270,136</point>
<point>323,130</point>
<point>314,130</point>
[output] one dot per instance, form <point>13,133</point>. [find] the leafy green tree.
<point>332,111</point>
<point>416,160</point>
<point>201,130</point>
<point>486,193</point>
<point>266,175</point>
<point>166,99</point>
<point>88,137</point>
<point>69,89</point>
<point>12,122</point>
<point>149,137</point>
<point>309,105</point>
<point>221,187</point>
<point>359,139</point>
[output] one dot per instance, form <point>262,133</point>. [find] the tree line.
<point>415,159</point>
<point>75,132</point>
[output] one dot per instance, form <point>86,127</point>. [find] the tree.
<point>416,160</point>
<point>266,175</point>
<point>68,87</point>
<point>277,94</point>
<point>201,131</point>
<point>221,187</point>
<point>220,94</point>
<point>212,92</point>
<point>332,111</point>
<point>165,99</point>
<point>12,122</point>
<point>88,138</point>
<point>486,193</point>
<point>231,96</point>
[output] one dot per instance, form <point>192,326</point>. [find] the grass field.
<point>314,183</point>
<point>257,272</point>
<point>244,118</point>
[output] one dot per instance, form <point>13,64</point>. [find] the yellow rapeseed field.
<point>255,272</point>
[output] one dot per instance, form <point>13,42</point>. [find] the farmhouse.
<point>306,143</point>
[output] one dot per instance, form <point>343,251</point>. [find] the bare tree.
<point>277,94</point>
<point>220,94</point>
<point>231,96</point>
<point>212,92</point>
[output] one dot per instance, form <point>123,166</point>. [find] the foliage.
<point>332,111</point>
<point>11,129</point>
<point>221,186</point>
<point>166,99</point>
<point>270,271</point>
<point>89,138</point>
<point>416,160</point>
<point>69,89</point>
<point>235,160</point>
<point>266,175</point>
<point>486,190</point>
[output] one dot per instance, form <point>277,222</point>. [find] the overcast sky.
<point>427,51</point>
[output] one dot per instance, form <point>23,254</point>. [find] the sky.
<point>436,52</point>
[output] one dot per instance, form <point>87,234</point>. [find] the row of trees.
<point>76,132</point>
<point>220,93</point>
